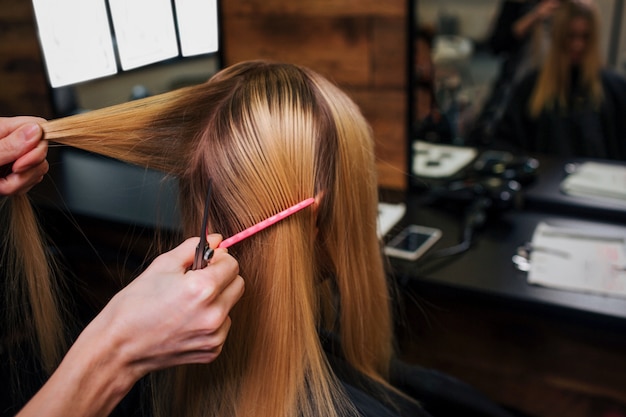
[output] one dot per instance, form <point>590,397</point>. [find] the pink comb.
<point>265,223</point>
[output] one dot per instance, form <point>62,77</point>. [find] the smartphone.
<point>412,242</point>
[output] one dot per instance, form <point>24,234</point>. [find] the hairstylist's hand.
<point>541,12</point>
<point>545,9</point>
<point>22,154</point>
<point>167,316</point>
<point>170,315</point>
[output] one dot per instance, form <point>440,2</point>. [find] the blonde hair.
<point>268,135</point>
<point>34,315</point>
<point>554,76</point>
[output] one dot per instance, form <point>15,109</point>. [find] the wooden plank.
<point>385,111</point>
<point>390,51</point>
<point>11,10</point>
<point>19,50</point>
<point>13,82</point>
<point>30,106</point>
<point>542,364</point>
<point>390,177</point>
<point>316,7</point>
<point>338,48</point>
<point>22,75</point>
<point>24,93</point>
<point>17,36</point>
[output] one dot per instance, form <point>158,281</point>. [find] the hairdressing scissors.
<point>203,252</point>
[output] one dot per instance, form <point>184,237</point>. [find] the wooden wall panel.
<point>15,10</point>
<point>389,53</point>
<point>541,362</point>
<point>23,88</point>
<point>358,44</point>
<point>337,48</point>
<point>383,109</point>
<point>331,8</point>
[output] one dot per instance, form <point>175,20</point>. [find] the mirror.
<point>460,83</point>
<point>454,69</point>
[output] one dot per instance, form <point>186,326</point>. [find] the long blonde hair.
<point>553,83</point>
<point>34,317</point>
<point>268,135</point>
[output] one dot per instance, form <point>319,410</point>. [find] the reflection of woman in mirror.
<point>572,105</point>
<point>520,38</point>
<point>521,34</point>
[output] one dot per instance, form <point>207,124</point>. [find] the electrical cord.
<point>475,217</point>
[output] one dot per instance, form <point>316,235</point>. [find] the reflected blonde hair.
<point>551,89</point>
<point>268,135</point>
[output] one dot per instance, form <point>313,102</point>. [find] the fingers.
<point>547,8</point>
<point>22,154</point>
<point>10,124</point>
<point>219,307</point>
<point>19,142</point>
<point>219,280</point>
<point>217,286</point>
<point>31,159</point>
<point>181,257</point>
<point>221,272</point>
<point>232,293</point>
<point>17,183</point>
<point>214,240</point>
<point>205,348</point>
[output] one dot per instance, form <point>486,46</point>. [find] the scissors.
<point>203,252</point>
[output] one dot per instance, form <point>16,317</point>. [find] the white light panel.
<point>197,26</point>
<point>75,39</point>
<point>144,31</point>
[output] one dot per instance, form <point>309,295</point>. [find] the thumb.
<point>182,255</point>
<point>19,142</point>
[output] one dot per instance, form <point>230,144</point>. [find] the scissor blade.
<point>199,261</point>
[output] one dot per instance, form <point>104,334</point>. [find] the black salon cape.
<point>511,51</point>
<point>576,131</point>
<point>429,393</point>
